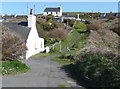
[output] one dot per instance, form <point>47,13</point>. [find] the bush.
<point>49,17</point>
<point>69,22</point>
<point>116,29</point>
<point>94,25</point>
<point>58,33</point>
<point>13,46</point>
<point>80,26</point>
<point>99,71</point>
<point>111,18</point>
<point>46,26</point>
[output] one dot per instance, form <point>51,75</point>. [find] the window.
<point>47,12</point>
<point>56,12</point>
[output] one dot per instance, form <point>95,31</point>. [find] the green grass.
<point>62,61</point>
<point>13,67</point>
<point>61,85</point>
<point>80,43</point>
<point>71,36</point>
<point>64,43</point>
<point>43,55</point>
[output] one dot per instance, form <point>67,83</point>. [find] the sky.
<point>21,7</point>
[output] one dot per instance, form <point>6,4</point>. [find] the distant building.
<point>56,11</point>
<point>102,15</point>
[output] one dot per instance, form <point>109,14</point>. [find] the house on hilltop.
<point>56,11</point>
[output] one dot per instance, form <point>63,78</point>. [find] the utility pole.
<point>27,9</point>
<point>67,19</point>
<point>92,14</point>
<point>34,9</point>
<point>98,14</point>
<point>23,14</point>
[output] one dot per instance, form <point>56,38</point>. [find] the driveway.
<point>43,73</point>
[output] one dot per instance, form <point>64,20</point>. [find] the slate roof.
<point>52,9</point>
<point>18,28</point>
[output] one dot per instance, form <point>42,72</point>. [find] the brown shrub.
<point>59,33</point>
<point>12,46</point>
<point>94,25</point>
<point>116,29</point>
<point>111,18</point>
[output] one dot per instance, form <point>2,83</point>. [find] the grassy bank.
<point>62,61</point>
<point>79,26</point>
<point>13,67</point>
<point>43,55</point>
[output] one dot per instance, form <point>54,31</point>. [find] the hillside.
<point>94,58</point>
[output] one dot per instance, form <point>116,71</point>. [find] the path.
<point>70,43</point>
<point>44,73</point>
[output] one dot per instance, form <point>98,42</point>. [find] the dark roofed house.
<point>29,34</point>
<point>18,28</point>
<point>56,11</point>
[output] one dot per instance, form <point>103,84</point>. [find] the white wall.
<point>33,43</point>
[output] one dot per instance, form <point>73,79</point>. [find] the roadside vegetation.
<point>51,31</point>
<point>12,68</point>
<point>13,50</point>
<point>43,55</point>
<point>94,57</point>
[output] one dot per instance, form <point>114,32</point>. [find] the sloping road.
<point>44,73</point>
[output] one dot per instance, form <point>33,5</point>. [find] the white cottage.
<point>28,33</point>
<point>34,43</point>
<point>56,11</point>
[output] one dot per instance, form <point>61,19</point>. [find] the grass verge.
<point>62,61</point>
<point>43,55</point>
<point>13,67</point>
<point>61,85</point>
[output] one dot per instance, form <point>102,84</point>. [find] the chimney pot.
<point>31,11</point>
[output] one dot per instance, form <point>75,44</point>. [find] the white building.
<point>56,11</point>
<point>29,35</point>
<point>34,43</point>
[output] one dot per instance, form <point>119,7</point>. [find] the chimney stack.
<point>31,11</point>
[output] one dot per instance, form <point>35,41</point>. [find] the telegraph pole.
<point>34,9</point>
<point>98,14</point>
<point>27,9</point>
<point>92,14</point>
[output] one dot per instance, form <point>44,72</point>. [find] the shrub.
<point>49,17</point>
<point>116,29</point>
<point>111,18</point>
<point>59,33</point>
<point>99,71</point>
<point>46,26</point>
<point>80,26</point>
<point>94,25</point>
<point>13,46</point>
